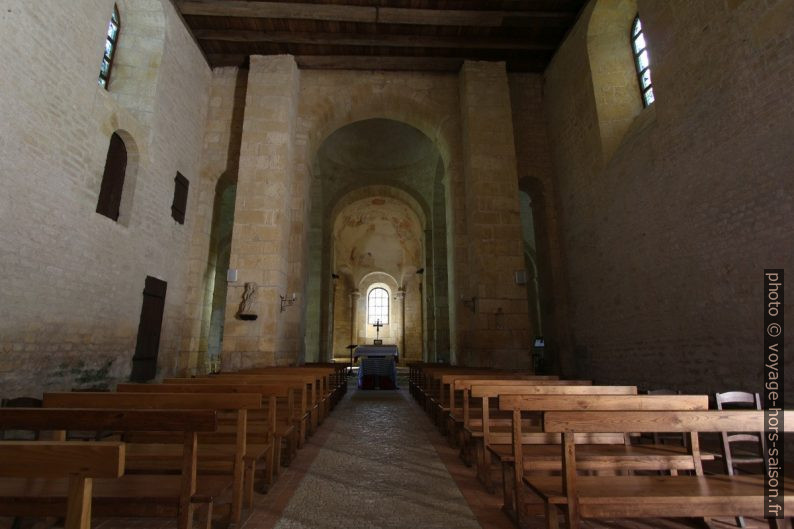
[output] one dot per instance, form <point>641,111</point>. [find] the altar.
<point>376,351</point>
<point>377,369</point>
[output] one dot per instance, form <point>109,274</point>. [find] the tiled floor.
<point>377,462</point>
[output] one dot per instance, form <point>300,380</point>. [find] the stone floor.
<point>377,462</point>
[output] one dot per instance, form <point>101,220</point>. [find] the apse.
<point>383,210</point>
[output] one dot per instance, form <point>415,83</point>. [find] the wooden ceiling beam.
<point>358,62</point>
<point>349,39</point>
<point>366,14</point>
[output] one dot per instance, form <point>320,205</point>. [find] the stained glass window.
<point>378,306</point>
<point>111,40</point>
<point>642,61</point>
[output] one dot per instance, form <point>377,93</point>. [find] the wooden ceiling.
<point>433,35</point>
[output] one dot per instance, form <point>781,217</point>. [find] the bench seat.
<point>652,496</point>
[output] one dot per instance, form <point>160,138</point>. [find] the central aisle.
<point>376,468</point>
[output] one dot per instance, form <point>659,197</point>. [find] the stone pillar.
<point>260,240</point>
<point>493,224</point>
<point>399,297</point>
<point>355,295</point>
<point>329,352</point>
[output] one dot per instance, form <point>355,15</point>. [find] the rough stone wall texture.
<point>73,279</point>
<point>666,236</point>
<point>262,223</point>
<point>496,330</point>
<point>536,178</point>
<point>219,166</point>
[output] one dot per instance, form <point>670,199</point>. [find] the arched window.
<point>642,61</point>
<point>113,179</point>
<point>110,48</point>
<point>378,306</point>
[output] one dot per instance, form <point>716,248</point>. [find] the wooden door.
<point>144,363</point>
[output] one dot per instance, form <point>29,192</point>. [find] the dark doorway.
<point>144,363</point>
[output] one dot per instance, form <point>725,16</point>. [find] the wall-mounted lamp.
<point>470,303</point>
<point>287,302</point>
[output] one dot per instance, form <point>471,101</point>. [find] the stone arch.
<point>339,110</point>
<point>614,78</point>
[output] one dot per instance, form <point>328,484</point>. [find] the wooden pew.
<point>267,428</point>
<point>499,430</point>
<point>312,382</point>
<point>321,392</point>
<point>157,456</point>
<point>303,403</point>
<point>540,452</point>
<point>466,417</point>
<point>76,462</point>
<point>326,391</point>
<point>130,495</point>
<point>653,496</point>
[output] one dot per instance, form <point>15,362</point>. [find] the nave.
<point>375,462</point>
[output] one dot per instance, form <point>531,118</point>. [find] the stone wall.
<point>666,232</point>
<point>73,279</point>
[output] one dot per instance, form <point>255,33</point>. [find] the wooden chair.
<point>77,462</point>
<point>745,448</point>
<point>667,437</point>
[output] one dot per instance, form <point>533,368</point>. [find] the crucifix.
<point>377,326</point>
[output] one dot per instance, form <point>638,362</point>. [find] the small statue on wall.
<point>246,311</point>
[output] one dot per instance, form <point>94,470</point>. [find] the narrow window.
<point>111,41</point>
<point>179,206</point>
<point>378,306</point>
<point>642,61</point>
<point>113,179</point>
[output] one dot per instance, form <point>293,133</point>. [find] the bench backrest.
<point>492,391</point>
<point>602,402</point>
<point>154,401</point>
<point>43,419</point>
<point>57,459</point>
<point>269,394</point>
<point>664,421</point>
<point>80,461</point>
<point>309,382</point>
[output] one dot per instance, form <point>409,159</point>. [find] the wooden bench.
<point>159,451</point>
<point>130,495</point>
<point>267,428</point>
<point>312,382</point>
<point>469,413</point>
<point>499,430</point>
<point>652,496</point>
<point>326,391</point>
<point>76,462</point>
<point>303,400</point>
<point>602,451</point>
